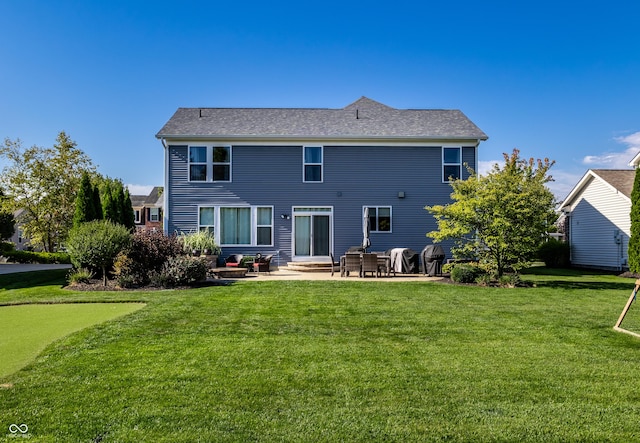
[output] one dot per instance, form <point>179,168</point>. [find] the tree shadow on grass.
<point>577,279</point>
<point>21,280</point>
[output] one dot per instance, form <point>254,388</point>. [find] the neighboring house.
<point>598,223</point>
<point>297,181</point>
<point>19,240</point>
<point>148,209</point>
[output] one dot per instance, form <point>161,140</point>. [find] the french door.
<point>312,229</point>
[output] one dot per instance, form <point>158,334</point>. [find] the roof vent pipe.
<point>357,114</point>
<point>200,112</point>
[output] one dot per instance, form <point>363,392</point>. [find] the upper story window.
<point>451,163</point>
<point>198,163</point>
<point>312,164</point>
<point>379,218</point>
<point>221,163</point>
<point>208,163</point>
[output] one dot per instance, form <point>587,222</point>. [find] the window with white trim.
<point>210,163</point>
<point>206,219</point>
<point>451,163</point>
<point>136,216</point>
<point>312,164</point>
<point>379,218</point>
<point>197,163</point>
<point>154,214</point>
<point>238,225</point>
<point>221,163</point>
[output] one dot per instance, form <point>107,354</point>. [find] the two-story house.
<point>297,181</point>
<point>147,209</point>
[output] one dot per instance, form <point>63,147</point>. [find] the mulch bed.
<point>112,285</point>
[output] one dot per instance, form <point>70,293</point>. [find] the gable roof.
<point>619,180</point>
<point>363,118</point>
<point>154,198</point>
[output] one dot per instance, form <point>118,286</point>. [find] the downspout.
<point>165,197</point>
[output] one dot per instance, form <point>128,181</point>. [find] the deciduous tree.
<point>499,218</point>
<point>44,182</point>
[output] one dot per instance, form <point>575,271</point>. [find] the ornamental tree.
<point>96,244</point>
<point>499,219</point>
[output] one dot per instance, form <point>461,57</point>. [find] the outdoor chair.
<point>334,263</point>
<point>370,264</point>
<point>351,263</point>
<point>233,260</point>
<point>262,263</point>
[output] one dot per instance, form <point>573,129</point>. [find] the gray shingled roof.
<point>621,179</point>
<point>364,118</point>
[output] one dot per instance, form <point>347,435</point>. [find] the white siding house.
<point>599,226</point>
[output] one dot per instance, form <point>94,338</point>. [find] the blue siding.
<point>354,176</point>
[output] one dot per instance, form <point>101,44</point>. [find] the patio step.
<point>309,266</point>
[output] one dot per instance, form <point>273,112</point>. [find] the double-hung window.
<point>198,163</point>
<point>379,218</point>
<point>221,163</point>
<point>239,225</point>
<point>312,164</point>
<point>154,214</point>
<point>451,163</point>
<point>206,219</point>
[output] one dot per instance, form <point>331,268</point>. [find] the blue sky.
<point>551,78</point>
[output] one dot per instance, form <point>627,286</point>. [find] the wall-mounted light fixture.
<point>285,216</point>
<point>401,194</point>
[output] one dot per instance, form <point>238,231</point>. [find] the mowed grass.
<point>339,361</point>
<point>25,330</point>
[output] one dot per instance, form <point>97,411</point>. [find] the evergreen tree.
<point>129,219</point>
<point>634,241</point>
<point>97,204</point>
<point>85,209</point>
<point>109,210</point>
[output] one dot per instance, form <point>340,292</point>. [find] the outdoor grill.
<point>432,258</point>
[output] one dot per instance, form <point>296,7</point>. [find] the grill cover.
<point>432,258</point>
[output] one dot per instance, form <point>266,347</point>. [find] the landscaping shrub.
<point>465,273</point>
<point>510,281</point>
<point>555,254</point>
<point>146,255</point>
<point>36,257</point>
<point>95,245</point>
<point>182,270</point>
<point>200,242</point>
<point>82,275</point>
<point>7,246</point>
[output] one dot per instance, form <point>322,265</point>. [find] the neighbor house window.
<point>312,163</point>
<point>451,163</point>
<point>198,163</point>
<point>380,218</point>
<point>238,225</point>
<point>154,214</point>
<point>137,215</point>
<point>222,163</point>
<point>206,219</point>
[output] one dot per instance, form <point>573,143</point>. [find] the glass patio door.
<point>312,232</point>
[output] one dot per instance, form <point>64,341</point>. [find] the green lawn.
<point>338,361</point>
<point>25,330</point>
